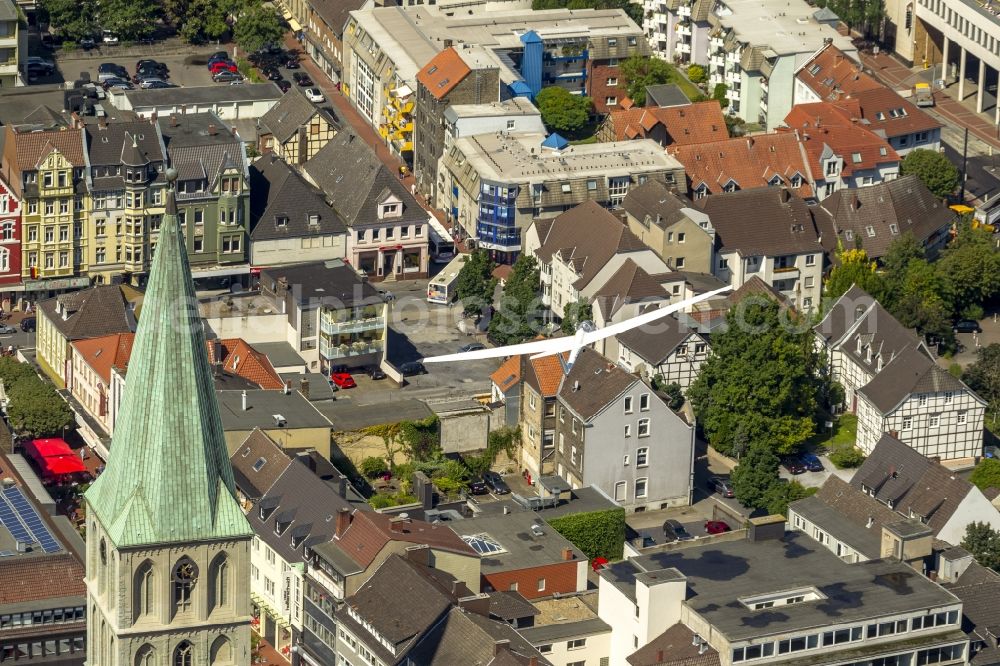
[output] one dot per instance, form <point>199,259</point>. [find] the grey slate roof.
<point>510,605</point>
<point>666,94</point>
<point>523,549</point>
<point>654,343</point>
<point>913,483</point>
<point>90,313</point>
<point>168,478</point>
<point>302,506</point>
<point>46,117</point>
<point>257,464</point>
<point>201,146</point>
<point>331,281</point>
<point>629,284</point>
<point>910,372</point>
<point>979,588</point>
<point>111,145</point>
<point>355,181</point>
<point>597,381</point>
<point>904,203</point>
<point>655,200</point>
<point>676,646</point>
<point>292,111</point>
<point>721,573</point>
<point>278,192</point>
<point>781,222</point>
<point>464,637</point>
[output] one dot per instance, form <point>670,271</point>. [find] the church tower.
<point>168,548</point>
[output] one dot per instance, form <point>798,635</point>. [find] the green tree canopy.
<point>719,95</point>
<point>519,315</point>
<point>781,494</point>
<point>754,476</point>
<point>983,376</point>
<point>697,74</point>
<point>986,474</point>
<point>639,71</point>
<point>984,543</point>
<point>200,20</point>
<point>574,313</point>
<point>852,267</point>
<point>970,266</point>
<point>475,283</point>
<point>73,19</point>
<point>563,111</point>
<point>933,169</point>
<point>256,26</point>
<point>36,408</point>
<point>129,20</point>
<point>761,382</point>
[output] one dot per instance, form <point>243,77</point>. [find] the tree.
<point>719,94</point>
<point>986,474</point>
<point>519,315</point>
<point>373,466</point>
<point>563,111</point>
<point>639,71</point>
<point>933,169</point>
<point>574,313</point>
<point>970,267</point>
<point>761,381</point>
<point>475,283</point>
<point>257,26</point>
<point>672,392</point>
<point>130,20</point>
<point>847,457</point>
<point>36,408</point>
<point>851,267</point>
<point>697,74</point>
<point>74,19</point>
<point>201,20</point>
<point>780,495</point>
<point>983,376</point>
<point>753,477</point>
<point>984,543</point>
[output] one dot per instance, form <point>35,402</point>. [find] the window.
<point>611,101</point>
<point>541,585</point>
<point>612,41</point>
<point>7,231</point>
<point>566,188</point>
<point>640,487</point>
<point>47,179</point>
<point>628,433</point>
<point>841,636</point>
<point>576,644</point>
<point>960,418</point>
<point>679,263</point>
<point>947,397</point>
<point>907,423</point>
<point>199,244</point>
<point>591,185</point>
<point>612,81</point>
<point>797,644</point>
<point>513,587</point>
<point>753,652</point>
<point>870,230</point>
<point>831,168</point>
<point>810,260</point>
<point>545,649</point>
<point>642,457</point>
<point>184,655</point>
<point>933,620</point>
<point>572,454</point>
<point>643,429</point>
<point>886,628</point>
<point>185,578</point>
<point>922,399</point>
<point>681,237</point>
<point>644,402</point>
<point>939,654</point>
<point>628,404</point>
<point>934,421</point>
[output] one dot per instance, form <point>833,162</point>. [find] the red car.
<point>716,527</point>
<point>221,66</point>
<point>343,380</point>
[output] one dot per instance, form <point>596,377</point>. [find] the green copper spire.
<point>168,478</point>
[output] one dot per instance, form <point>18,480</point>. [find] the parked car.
<point>496,483</point>
<point>717,484</point>
<point>87,43</point>
<point>6,330</point>
<point>225,76</point>
<point>314,95</point>
<point>967,326</point>
<point>472,346</point>
<point>292,63</point>
<point>812,462</point>
<point>478,487</point>
<point>343,380</point>
<point>147,62</point>
<point>272,75</point>
<point>386,295</point>
<point>412,368</point>
<point>717,527</point>
<point>29,324</point>
<point>793,465</point>
<point>376,373</point>
<point>340,367</point>
<point>41,65</point>
<point>109,37</point>
<point>222,66</point>
<point>302,79</point>
<point>116,82</point>
<point>153,84</point>
<point>109,70</point>
<point>219,55</point>
<point>283,85</point>
<point>674,531</point>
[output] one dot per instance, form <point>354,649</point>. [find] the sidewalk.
<point>894,74</point>
<point>349,116</point>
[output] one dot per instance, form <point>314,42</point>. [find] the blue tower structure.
<point>531,61</point>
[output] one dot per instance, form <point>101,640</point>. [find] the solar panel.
<point>26,512</point>
<point>13,524</point>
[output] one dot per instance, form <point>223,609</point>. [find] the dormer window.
<point>281,221</point>
<point>280,526</point>
<point>297,540</point>
<point>314,220</point>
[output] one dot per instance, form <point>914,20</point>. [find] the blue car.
<point>811,462</point>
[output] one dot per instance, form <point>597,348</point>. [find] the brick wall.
<point>559,577</point>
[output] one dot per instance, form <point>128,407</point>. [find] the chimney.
<point>396,524</point>
<point>211,129</point>
<point>343,521</point>
<point>749,142</point>
<point>173,120</point>
<point>533,661</point>
<point>243,400</point>
<point>304,388</point>
<point>478,604</point>
<point>659,656</point>
<point>567,554</point>
<point>342,486</point>
<point>287,388</point>
<point>501,645</point>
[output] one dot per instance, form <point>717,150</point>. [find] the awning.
<point>403,91</point>
<point>221,272</point>
<point>294,25</point>
<point>54,457</point>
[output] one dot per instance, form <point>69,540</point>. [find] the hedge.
<point>596,533</point>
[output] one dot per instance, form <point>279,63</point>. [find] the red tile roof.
<point>241,359</point>
<point>508,374</point>
<point>444,71</point>
<point>30,578</point>
<point>751,162</point>
<point>824,124</point>
<point>831,69</point>
<point>549,373</point>
<point>686,124</point>
<point>369,532</point>
<point>106,352</point>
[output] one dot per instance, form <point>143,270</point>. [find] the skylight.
<point>483,544</point>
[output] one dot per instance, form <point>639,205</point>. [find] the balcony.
<point>682,47</point>
<point>684,11</point>
<point>8,41</point>
<point>358,348</point>
<point>786,272</point>
<point>684,30</point>
<point>329,325</point>
<point>8,68</point>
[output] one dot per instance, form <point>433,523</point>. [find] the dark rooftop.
<point>331,281</point>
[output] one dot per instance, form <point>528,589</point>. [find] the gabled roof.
<point>878,215</point>
<point>695,123</point>
<point>665,94</point>
<point>825,128</point>
<point>284,205</point>
<point>586,237</point>
<point>369,532</point>
<point>38,577</point>
<point>674,647</point>
<point>830,70</point>
<point>201,146</point>
<point>544,374</point>
<point>654,344</point>
<point>292,112</point>
<point>168,478</point>
<point>510,605</point>
<point>655,200</point>
<point>334,13</point>
<point>354,181</point>
<point>90,313</point>
<point>629,284</point>
<point>108,144</point>
<point>239,358</point>
<point>751,162</point>
<point>31,147</point>
<point>105,353</point>
<point>47,118</point>
<point>911,372</point>
<point>897,473</point>
<point>593,383</point>
<point>979,588</point>
<point>257,463</point>
<point>508,374</point>
<point>856,317</point>
<point>782,223</point>
<point>443,72</point>
<point>464,637</point>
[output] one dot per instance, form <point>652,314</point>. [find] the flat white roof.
<point>785,26</point>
